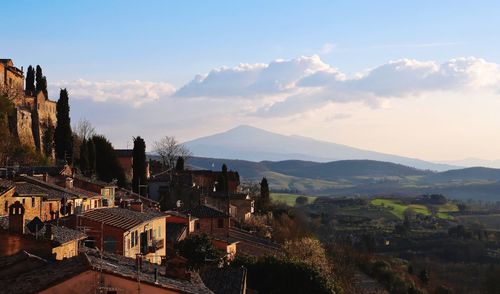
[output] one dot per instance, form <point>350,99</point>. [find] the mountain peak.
<point>247,142</point>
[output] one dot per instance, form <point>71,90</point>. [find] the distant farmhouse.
<point>34,111</point>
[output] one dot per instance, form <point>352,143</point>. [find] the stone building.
<point>33,114</point>
<point>127,231</point>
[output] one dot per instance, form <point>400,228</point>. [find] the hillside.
<point>254,144</point>
<point>361,177</point>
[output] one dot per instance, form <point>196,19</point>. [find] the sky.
<point>412,78</point>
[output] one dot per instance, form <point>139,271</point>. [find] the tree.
<point>30,81</point>
<point>63,135</point>
<point>179,165</point>
<point>309,251</point>
<point>272,274</point>
<point>198,249</point>
<point>48,140</point>
<point>41,81</point>
<point>264,200</point>
<point>107,167</point>
<point>84,157</point>
<point>424,276</point>
<point>169,151</point>
<point>91,156</point>
<point>7,141</point>
<point>84,129</point>
<point>139,165</point>
<point>301,200</point>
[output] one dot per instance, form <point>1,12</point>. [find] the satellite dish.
<point>178,203</point>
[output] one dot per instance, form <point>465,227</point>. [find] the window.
<point>110,244</point>
<point>6,206</point>
<point>24,201</point>
<point>150,234</point>
<point>197,225</point>
<point>134,239</point>
<point>220,223</point>
<point>33,202</point>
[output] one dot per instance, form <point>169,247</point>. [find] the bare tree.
<point>170,150</point>
<point>84,129</point>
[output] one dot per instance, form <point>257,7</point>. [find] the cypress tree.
<point>63,134</point>
<point>84,157</point>
<point>139,165</point>
<point>41,81</point>
<point>91,156</point>
<point>264,200</point>
<point>107,166</point>
<point>30,81</point>
<point>48,140</point>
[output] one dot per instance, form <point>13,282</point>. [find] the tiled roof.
<point>227,280</point>
<point>11,266</point>
<point>203,211</point>
<point>54,190</point>
<point>122,218</point>
<point>61,234</point>
<point>175,231</point>
<point>30,189</point>
<point>5,185</point>
<point>45,275</point>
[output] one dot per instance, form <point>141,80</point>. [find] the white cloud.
<point>133,92</point>
<point>253,80</point>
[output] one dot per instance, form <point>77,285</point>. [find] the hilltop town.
<point>110,220</point>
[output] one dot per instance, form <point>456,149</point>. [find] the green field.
<point>289,199</point>
<point>397,208</point>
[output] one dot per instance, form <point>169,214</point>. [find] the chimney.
<point>137,205</point>
<point>45,177</point>
<point>69,183</point>
<point>16,218</point>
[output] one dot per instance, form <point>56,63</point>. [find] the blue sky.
<point>167,40</point>
<point>96,47</point>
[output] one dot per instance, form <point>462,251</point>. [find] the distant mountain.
<point>254,144</point>
<point>474,162</point>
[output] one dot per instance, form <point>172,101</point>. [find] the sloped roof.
<point>202,211</point>
<point>122,218</point>
<point>45,275</point>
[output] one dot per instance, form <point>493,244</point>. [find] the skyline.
<point>424,84</point>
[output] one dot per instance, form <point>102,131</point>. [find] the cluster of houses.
<point>86,234</point>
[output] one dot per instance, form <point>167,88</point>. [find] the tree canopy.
<point>107,166</point>
<point>139,165</point>
<point>63,136</point>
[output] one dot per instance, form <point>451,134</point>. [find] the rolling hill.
<point>361,177</point>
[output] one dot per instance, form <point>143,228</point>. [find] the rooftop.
<point>61,234</point>
<point>50,274</point>
<point>122,218</point>
<point>203,211</point>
